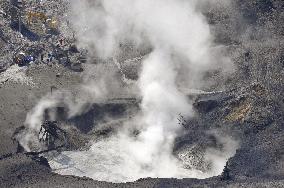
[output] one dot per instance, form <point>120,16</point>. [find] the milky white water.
<point>109,160</point>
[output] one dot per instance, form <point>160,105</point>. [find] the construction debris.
<point>22,59</point>
<point>32,35</point>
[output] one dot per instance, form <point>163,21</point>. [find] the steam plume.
<point>181,51</point>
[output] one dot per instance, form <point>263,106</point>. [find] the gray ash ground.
<point>249,108</point>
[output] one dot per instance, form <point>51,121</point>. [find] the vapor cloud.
<point>182,50</point>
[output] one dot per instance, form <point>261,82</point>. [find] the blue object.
<point>29,59</point>
<point>50,56</point>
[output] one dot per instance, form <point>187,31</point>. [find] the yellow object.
<point>52,23</point>
<point>240,112</point>
<point>36,15</point>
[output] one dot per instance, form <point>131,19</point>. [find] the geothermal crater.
<point>139,93</point>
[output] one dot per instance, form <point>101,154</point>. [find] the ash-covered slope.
<point>248,107</point>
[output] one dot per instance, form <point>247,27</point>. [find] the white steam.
<point>182,50</point>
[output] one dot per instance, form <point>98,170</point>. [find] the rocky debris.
<point>244,113</point>
<point>50,132</point>
<point>225,176</point>
<point>249,109</point>
<point>16,74</point>
<point>28,44</point>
